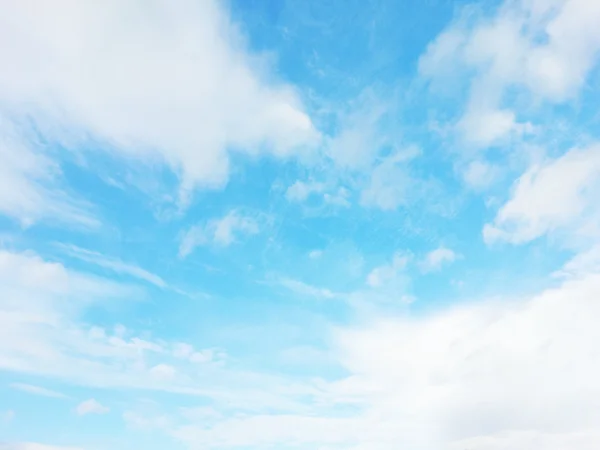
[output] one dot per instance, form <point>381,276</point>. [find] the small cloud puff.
<point>435,259</point>
<point>91,406</point>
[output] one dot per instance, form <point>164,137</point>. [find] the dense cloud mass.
<point>164,79</point>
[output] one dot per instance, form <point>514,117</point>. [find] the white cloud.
<point>483,127</point>
<point>37,390</point>
<point>30,188</point>
<point>390,182</point>
<point>435,259</point>
<point>315,254</point>
<point>387,190</point>
<point>42,305</point>
<point>510,375</point>
<point>39,304</point>
<point>34,446</point>
<point>584,440</point>
<point>182,350</point>
<point>300,190</point>
<point>358,139</point>
<point>447,368</point>
<point>582,263</point>
<point>559,68</point>
<point>439,58</point>
<point>386,273</point>
<point>201,413</point>
<point>163,372</point>
<point>91,406</point>
<point>555,194</point>
<point>339,197</point>
<point>222,232</point>
<point>480,174</point>
<point>305,289</point>
<point>363,155</point>
<point>175,82</point>
<point>113,264</point>
<point>37,288</point>
<point>547,48</point>
<point>489,375</point>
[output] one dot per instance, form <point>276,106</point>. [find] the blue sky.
<point>337,225</point>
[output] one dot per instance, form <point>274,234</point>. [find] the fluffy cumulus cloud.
<point>544,48</point>
<point>483,375</point>
<point>168,81</point>
<point>497,374</point>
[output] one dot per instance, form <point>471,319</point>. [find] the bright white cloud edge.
<point>147,98</point>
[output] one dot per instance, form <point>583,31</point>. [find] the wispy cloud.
<point>30,184</point>
<point>304,289</point>
<point>552,195</point>
<point>37,390</point>
<point>40,307</point>
<point>113,264</point>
